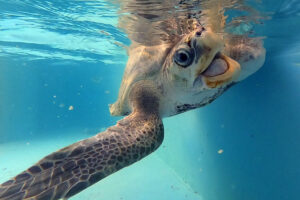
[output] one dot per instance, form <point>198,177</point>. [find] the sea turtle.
<point>160,81</point>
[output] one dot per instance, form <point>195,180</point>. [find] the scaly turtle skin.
<point>159,81</point>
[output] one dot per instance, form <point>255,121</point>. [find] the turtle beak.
<point>222,70</point>
<point>214,68</point>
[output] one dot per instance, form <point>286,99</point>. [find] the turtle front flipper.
<point>70,170</point>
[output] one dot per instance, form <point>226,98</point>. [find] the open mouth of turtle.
<point>217,67</point>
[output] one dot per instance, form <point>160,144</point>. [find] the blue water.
<point>61,64</point>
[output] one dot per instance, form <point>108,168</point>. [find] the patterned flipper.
<point>70,170</point>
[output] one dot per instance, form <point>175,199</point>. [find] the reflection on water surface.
<point>153,22</point>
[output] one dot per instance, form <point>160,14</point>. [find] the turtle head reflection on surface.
<point>159,81</point>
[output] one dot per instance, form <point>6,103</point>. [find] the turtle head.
<point>197,62</point>
<point>197,71</point>
<point>187,74</point>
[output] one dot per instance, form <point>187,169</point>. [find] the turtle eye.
<point>184,57</point>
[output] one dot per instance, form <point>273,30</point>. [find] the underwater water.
<point>61,64</point>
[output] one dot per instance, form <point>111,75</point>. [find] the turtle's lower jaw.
<point>222,70</point>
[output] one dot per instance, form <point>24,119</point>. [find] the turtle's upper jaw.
<point>221,70</point>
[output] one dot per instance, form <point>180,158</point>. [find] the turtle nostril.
<point>198,33</point>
